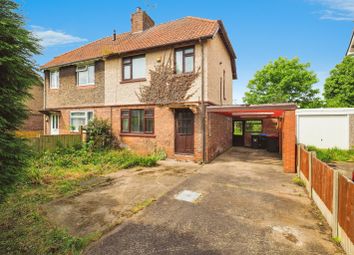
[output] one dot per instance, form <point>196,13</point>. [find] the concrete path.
<point>248,206</point>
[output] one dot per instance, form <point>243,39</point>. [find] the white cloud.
<point>337,9</point>
<point>50,37</point>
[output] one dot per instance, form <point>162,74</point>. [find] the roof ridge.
<point>203,19</point>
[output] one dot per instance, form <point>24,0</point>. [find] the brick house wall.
<point>218,135</point>
<point>269,127</point>
<point>164,130</point>
<point>70,94</point>
<point>34,121</point>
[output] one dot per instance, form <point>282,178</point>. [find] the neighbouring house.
<point>34,122</point>
<point>166,86</point>
<point>104,78</point>
<point>326,127</point>
<point>350,50</point>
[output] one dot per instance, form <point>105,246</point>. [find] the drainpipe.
<point>44,103</point>
<point>202,105</point>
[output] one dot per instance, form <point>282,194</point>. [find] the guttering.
<point>325,111</point>
<point>224,108</point>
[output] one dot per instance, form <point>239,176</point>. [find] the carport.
<point>248,125</point>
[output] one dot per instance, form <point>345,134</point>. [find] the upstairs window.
<point>134,68</point>
<point>184,60</point>
<point>54,80</point>
<point>137,121</point>
<point>85,75</point>
<point>80,119</point>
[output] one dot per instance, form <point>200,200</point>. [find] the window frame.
<point>250,132</point>
<point>87,70</point>
<point>51,80</point>
<point>145,118</point>
<point>184,55</point>
<point>130,58</point>
<point>86,118</point>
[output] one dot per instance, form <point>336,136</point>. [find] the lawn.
<point>333,154</point>
<point>23,227</point>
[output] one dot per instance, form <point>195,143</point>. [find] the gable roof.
<point>182,30</point>
<point>350,50</point>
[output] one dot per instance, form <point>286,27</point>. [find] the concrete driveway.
<point>247,206</point>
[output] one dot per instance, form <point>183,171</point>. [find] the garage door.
<point>324,131</point>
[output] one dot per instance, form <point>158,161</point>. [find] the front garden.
<point>24,229</point>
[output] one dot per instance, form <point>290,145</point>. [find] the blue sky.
<point>316,31</point>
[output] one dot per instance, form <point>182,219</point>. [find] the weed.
<point>140,206</point>
<point>297,180</point>
<point>336,240</point>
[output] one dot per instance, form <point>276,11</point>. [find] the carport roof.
<point>252,111</point>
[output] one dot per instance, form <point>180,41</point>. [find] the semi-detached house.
<point>103,79</point>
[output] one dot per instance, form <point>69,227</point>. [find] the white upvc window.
<point>85,75</point>
<point>80,119</point>
<point>54,79</point>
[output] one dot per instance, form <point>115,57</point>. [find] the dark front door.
<point>184,137</point>
<point>238,133</point>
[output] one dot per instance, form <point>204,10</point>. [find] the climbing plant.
<point>166,86</point>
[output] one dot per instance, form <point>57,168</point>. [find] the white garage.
<point>326,127</point>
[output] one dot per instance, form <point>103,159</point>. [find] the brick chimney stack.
<point>140,21</point>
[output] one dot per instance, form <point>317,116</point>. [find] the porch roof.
<point>252,111</point>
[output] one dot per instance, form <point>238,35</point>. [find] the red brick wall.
<point>269,128</point>
<point>289,141</point>
<point>34,122</point>
<point>218,135</point>
<point>163,137</point>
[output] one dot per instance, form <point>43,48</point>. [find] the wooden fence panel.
<point>51,142</point>
<point>304,162</point>
<point>346,206</point>
<point>322,181</point>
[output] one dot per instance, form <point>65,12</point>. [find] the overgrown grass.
<point>333,154</point>
<point>23,227</point>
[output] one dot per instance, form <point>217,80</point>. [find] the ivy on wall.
<point>166,86</point>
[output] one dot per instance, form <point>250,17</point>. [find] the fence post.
<point>83,135</point>
<point>298,159</point>
<point>335,203</point>
<point>310,153</point>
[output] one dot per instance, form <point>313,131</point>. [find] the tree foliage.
<point>17,76</point>
<point>339,86</point>
<point>283,81</point>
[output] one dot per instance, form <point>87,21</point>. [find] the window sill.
<point>131,81</point>
<point>53,88</point>
<point>86,86</point>
<point>138,135</point>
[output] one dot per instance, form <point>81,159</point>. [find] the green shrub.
<point>99,134</point>
<point>332,154</point>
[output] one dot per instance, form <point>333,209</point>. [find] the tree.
<point>284,81</point>
<point>339,86</point>
<point>17,76</point>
